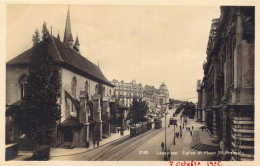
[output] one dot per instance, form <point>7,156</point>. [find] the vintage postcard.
<point>128,82</point>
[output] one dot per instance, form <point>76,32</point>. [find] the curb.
<point>92,148</point>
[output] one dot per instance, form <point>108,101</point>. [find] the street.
<point>145,147</point>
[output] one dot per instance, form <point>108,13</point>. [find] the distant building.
<point>226,93</point>
<point>151,96</point>
<point>164,96</point>
<point>155,99</point>
<point>85,112</point>
<point>125,92</point>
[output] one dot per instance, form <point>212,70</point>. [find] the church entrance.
<point>68,136</point>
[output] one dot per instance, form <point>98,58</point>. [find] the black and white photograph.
<point>129,82</point>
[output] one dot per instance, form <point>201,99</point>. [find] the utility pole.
<point>165,147</point>
<point>174,135</point>
<point>165,134</point>
<point>165,156</point>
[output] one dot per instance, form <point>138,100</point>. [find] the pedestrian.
<point>181,134</point>
<point>202,128</point>
<point>180,127</point>
<point>190,133</point>
<point>94,143</point>
<point>169,155</point>
<point>97,144</point>
<point>192,127</point>
<point>162,145</point>
<point>189,128</point>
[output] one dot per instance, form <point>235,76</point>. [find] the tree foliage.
<point>188,109</point>
<point>174,101</point>
<point>41,110</point>
<point>36,37</point>
<point>137,111</point>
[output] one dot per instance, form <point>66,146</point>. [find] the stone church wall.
<point>13,74</point>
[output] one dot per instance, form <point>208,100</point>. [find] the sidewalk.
<point>183,150</point>
<point>58,152</point>
<point>201,140</point>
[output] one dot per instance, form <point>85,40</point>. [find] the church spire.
<point>77,41</point>
<point>67,33</point>
<point>76,45</point>
<point>58,37</point>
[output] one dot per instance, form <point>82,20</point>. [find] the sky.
<point>149,44</point>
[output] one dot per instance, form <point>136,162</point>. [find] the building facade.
<point>125,92</point>
<point>151,96</point>
<point>164,96</point>
<point>85,94</point>
<point>226,93</point>
<point>155,99</point>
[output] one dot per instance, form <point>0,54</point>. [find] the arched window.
<point>73,91</point>
<point>104,90</point>
<point>110,92</point>
<point>74,86</point>
<point>96,89</point>
<point>23,84</point>
<point>86,86</point>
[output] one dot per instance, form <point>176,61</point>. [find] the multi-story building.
<point>151,96</point>
<point>226,93</point>
<point>85,110</point>
<point>155,98</point>
<point>164,96</point>
<point>125,92</point>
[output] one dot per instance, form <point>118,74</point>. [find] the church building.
<point>85,111</point>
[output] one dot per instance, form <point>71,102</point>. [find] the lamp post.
<point>165,147</point>
<point>174,133</point>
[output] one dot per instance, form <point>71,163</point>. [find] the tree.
<point>45,31</point>
<point>36,37</point>
<point>189,109</point>
<point>41,110</point>
<point>137,111</point>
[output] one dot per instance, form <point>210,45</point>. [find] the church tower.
<point>68,39</point>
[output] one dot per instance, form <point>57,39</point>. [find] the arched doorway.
<point>68,135</point>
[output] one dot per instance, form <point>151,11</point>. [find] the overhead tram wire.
<point>247,86</point>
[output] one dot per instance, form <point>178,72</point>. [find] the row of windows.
<point>23,86</point>
<point>74,87</point>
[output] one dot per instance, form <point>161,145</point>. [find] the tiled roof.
<point>67,56</point>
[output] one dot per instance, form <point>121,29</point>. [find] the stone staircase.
<point>199,145</point>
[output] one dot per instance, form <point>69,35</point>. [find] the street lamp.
<point>174,124</point>
<point>165,149</point>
